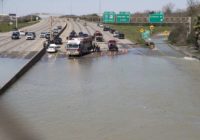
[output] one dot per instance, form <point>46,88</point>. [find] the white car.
<point>22,33</point>
<point>42,34</point>
<point>30,36</point>
<point>116,34</point>
<point>101,25</point>
<point>52,48</point>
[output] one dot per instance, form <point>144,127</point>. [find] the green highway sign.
<point>109,17</point>
<point>123,17</point>
<point>156,17</point>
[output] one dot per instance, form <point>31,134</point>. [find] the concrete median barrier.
<point>23,70</point>
<point>26,67</point>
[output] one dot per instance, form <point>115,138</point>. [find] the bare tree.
<point>193,6</point>
<point>168,8</point>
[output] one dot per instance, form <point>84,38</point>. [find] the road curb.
<point>184,52</point>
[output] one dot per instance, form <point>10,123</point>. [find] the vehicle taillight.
<point>78,50</point>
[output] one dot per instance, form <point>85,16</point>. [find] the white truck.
<point>79,46</point>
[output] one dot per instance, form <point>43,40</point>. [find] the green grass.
<point>132,32</point>
<point>5,27</point>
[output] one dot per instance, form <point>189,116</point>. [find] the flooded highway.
<point>131,96</point>
<point>8,67</point>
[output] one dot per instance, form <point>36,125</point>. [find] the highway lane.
<point>36,27</point>
<point>78,26</point>
<point>13,45</point>
<point>109,36</point>
<point>22,47</point>
<point>125,45</point>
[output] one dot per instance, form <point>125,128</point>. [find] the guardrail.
<point>167,20</point>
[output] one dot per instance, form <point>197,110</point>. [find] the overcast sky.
<point>79,7</point>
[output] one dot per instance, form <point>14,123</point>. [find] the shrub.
<point>178,35</point>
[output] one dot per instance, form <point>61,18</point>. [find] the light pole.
<point>2,6</point>
<point>70,7</point>
<point>99,10</point>
<point>16,22</point>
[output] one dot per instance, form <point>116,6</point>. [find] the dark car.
<point>80,34</point>
<point>112,45</point>
<point>106,28</point>
<point>73,32</point>
<point>85,35</point>
<point>15,35</point>
<point>121,36</point>
<point>72,35</point>
<point>112,31</point>
<point>58,41</point>
<point>59,27</point>
<point>48,35</point>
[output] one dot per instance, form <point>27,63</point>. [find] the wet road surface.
<point>111,97</point>
<point>9,67</point>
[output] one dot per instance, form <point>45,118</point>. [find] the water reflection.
<point>122,97</point>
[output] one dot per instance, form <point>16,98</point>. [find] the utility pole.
<point>189,26</point>
<point>99,10</point>
<point>50,29</point>
<point>70,7</point>
<point>16,22</point>
<point>2,6</point>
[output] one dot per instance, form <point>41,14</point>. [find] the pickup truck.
<point>97,37</point>
<point>112,45</point>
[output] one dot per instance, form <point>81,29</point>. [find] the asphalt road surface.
<point>23,48</point>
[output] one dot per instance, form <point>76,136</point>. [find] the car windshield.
<point>15,33</point>
<point>51,47</point>
<point>30,34</point>
<point>72,46</point>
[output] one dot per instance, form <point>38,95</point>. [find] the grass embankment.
<point>132,32</point>
<point>5,27</point>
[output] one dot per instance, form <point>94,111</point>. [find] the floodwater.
<point>9,67</point>
<point>124,97</point>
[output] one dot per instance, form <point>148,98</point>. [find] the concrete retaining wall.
<point>25,68</point>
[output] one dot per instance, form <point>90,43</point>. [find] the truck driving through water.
<point>79,46</point>
<point>97,37</point>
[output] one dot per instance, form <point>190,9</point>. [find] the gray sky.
<point>23,7</point>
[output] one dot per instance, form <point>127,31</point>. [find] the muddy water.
<point>8,67</point>
<point>126,97</point>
